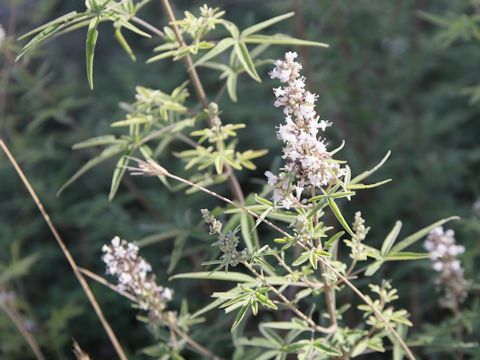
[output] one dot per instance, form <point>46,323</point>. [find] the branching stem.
<point>194,345</point>
<point>289,304</point>
<point>66,252</point>
<point>153,167</point>
<point>197,84</point>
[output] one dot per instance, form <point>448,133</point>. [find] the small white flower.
<point>443,252</point>
<point>167,294</point>
<point>116,241</point>
<point>306,155</point>
<point>134,275</point>
<point>2,34</point>
<point>271,179</point>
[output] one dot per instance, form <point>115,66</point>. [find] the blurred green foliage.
<point>399,75</point>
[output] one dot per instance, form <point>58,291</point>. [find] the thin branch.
<point>148,26</point>
<point>66,252</point>
<point>195,345</point>
<point>197,84</point>
<point>287,302</point>
<point>153,169</point>
<point>17,320</point>
<point>329,291</point>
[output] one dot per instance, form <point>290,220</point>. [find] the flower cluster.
<point>227,243</point>
<point>444,254</point>
<point>308,163</point>
<point>134,276</point>
<point>358,250</point>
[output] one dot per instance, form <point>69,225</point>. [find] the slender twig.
<point>66,252</point>
<point>197,84</point>
<point>329,290</point>
<point>154,169</point>
<point>17,320</point>
<point>148,26</point>
<point>195,345</point>
<point>289,304</point>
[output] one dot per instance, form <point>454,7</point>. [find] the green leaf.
<point>57,21</point>
<point>398,351</point>
<point>131,121</point>
<point>314,259</point>
<point>123,43</point>
<point>243,55</point>
<point>177,251</point>
<point>262,200</point>
<point>118,174</point>
<point>390,239</point>
<point>152,239</point>
<point>397,256</point>
<point>241,314</point>
<point>231,28</point>
<point>133,28</point>
<point>232,86</point>
<point>336,211</point>
<point>164,55</point>
<point>367,173</point>
<point>336,195</point>
<point>222,45</point>
<point>91,42</point>
<point>18,268</point>
<point>333,239</point>
<point>326,349</point>
<point>367,186</point>
<point>286,325</point>
<point>38,39</point>
<point>264,24</point>
<point>104,155</point>
<point>97,141</point>
<point>265,301</point>
<point>373,268</point>
<point>247,224</point>
<point>280,39</point>
<point>217,275</point>
<point>302,258</point>
<point>360,348</point>
<point>409,240</point>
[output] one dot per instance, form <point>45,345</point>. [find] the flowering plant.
<point>293,259</point>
